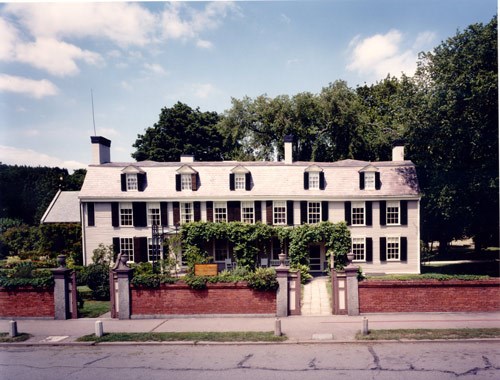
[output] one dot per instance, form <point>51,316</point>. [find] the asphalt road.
<point>412,360</point>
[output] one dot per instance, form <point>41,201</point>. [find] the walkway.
<point>316,300</point>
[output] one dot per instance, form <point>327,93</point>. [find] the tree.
<point>181,130</point>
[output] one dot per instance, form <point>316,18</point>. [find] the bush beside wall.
<point>429,296</point>
<point>27,303</point>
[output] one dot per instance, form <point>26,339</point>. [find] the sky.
<point>132,59</point>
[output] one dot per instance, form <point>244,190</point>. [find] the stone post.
<point>282,293</point>
<point>351,272</point>
<point>124,274</point>
<point>61,289</point>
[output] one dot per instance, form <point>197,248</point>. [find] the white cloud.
<point>17,156</point>
<point>34,88</point>
<point>203,90</point>
<point>126,85</point>
<point>155,68</point>
<point>424,40</point>
<point>204,44</point>
<point>8,38</point>
<point>285,19</point>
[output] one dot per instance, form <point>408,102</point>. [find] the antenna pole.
<point>93,117</point>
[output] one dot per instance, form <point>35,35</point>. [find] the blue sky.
<point>140,57</point>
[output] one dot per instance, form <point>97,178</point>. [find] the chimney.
<point>288,149</point>
<point>100,150</point>
<point>187,158</point>
<point>398,150</point>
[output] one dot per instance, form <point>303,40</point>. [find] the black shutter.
<point>404,249</point>
<point>140,249</point>
<point>248,181</point>
<point>178,182</point>
<point>321,180</point>
<point>303,212</point>
<point>194,181</point>
<point>383,210</point>
<point>210,211</point>
<point>369,250</point>
<point>269,212</point>
<point>177,213</point>
<point>139,211</point>
<point>234,211</point>
<point>369,213</point>
<point>141,181</point>
<point>232,185</point>
<point>324,211</point>
<point>347,212</point>
<point>404,212</point>
<point>116,247</point>
<point>258,211</point>
<point>378,184</point>
<point>306,181</point>
<point>90,214</point>
<point>115,214</point>
<point>123,178</point>
<point>361,181</point>
<point>289,213</point>
<point>197,211</point>
<point>383,253</point>
<point>164,213</point>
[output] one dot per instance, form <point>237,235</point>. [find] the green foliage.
<point>146,280</point>
<point>96,277</point>
<point>25,273</point>
<point>196,282</point>
<point>427,276</point>
<point>305,276</point>
<point>103,255</point>
<point>263,279</point>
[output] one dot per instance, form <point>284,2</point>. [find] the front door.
<point>315,259</point>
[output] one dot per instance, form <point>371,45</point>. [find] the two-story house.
<point>379,201</point>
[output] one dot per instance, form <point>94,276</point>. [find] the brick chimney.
<point>288,149</point>
<point>101,150</point>
<point>398,150</point>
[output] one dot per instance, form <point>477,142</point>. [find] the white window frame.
<point>393,213</point>
<point>127,247</point>
<point>279,213</point>
<point>313,212</point>
<point>313,180</point>
<point>126,215</point>
<point>154,214</point>
<point>248,212</point>
<point>220,212</point>
<point>132,182</point>
<point>186,182</point>
<point>150,250</point>
<point>239,181</point>
<point>358,248</point>
<point>393,248</point>
<point>355,213</point>
<point>369,180</point>
<point>186,212</point>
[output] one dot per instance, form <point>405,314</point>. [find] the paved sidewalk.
<point>299,329</point>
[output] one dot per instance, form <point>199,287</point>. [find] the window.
<point>239,181</point>
<point>370,180</point>
<point>220,212</point>
<point>359,249</point>
<point>186,212</point>
<point>154,251</point>
<point>153,214</point>
<point>314,180</point>
<point>132,182</point>
<point>221,251</point>
<point>313,212</point>
<point>186,182</point>
<point>279,212</point>
<point>392,213</point>
<point>358,213</point>
<point>126,214</point>
<point>247,212</point>
<point>393,249</point>
<point>127,248</point>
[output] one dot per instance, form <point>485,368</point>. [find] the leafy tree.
<point>181,130</point>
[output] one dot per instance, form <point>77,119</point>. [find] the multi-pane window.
<point>153,214</point>
<point>131,182</point>
<point>126,214</point>
<point>359,249</point>
<point>313,212</point>
<point>239,181</point>
<point>221,251</point>
<point>127,248</point>
<point>369,180</point>
<point>314,180</point>
<point>186,182</point>
<point>186,212</point>
<point>393,248</point>
<point>247,212</point>
<point>276,249</point>
<point>358,213</point>
<point>392,212</point>
<point>279,212</point>
<point>220,212</point>
<point>154,250</point>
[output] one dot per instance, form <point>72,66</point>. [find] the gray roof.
<point>64,208</point>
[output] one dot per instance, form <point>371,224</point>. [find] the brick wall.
<point>429,296</point>
<point>227,298</point>
<point>27,302</point>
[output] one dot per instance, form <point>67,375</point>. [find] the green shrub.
<point>97,279</point>
<point>25,274</point>
<point>263,279</point>
<point>146,280</point>
<point>196,282</point>
<point>305,276</point>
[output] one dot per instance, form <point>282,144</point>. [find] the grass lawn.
<point>5,338</point>
<point>429,334</point>
<point>93,309</point>
<point>235,336</point>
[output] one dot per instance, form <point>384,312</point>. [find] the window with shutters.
<point>240,181</point>
<point>358,213</point>
<point>154,250</point>
<point>279,212</point>
<point>370,181</point>
<point>186,212</point>
<point>126,214</point>
<point>132,184</point>
<point>186,182</point>
<point>392,213</point>
<point>314,180</point>
<point>247,212</point>
<point>393,248</point>
<point>359,249</point>
<point>127,248</point>
<point>313,212</point>
<point>220,212</point>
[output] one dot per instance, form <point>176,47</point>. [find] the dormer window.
<point>133,179</point>
<point>314,178</point>
<point>240,179</point>
<point>186,179</point>
<point>369,178</point>
<point>186,182</point>
<point>131,182</point>
<point>370,181</point>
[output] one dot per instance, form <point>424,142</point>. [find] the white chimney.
<point>101,150</point>
<point>288,149</point>
<point>398,150</point>
<point>187,158</point>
